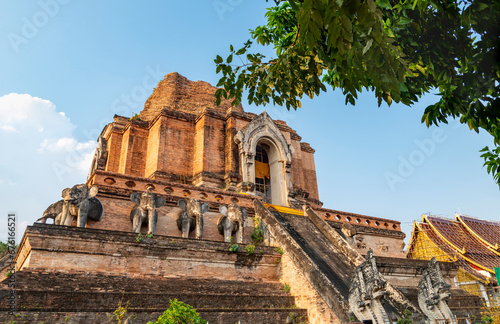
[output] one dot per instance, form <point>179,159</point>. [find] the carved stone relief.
<point>367,291</point>
<point>432,294</point>
<point>100,156</point>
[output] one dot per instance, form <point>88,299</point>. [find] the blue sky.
<point>67,66</point>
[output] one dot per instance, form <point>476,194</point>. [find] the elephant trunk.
<point>137,217</point>
<point>239,234</point>
<point>152,220</point>
<point>66,218</point>
<point>186,226</point>
<point>83,212</point>
<point>199,227</point>
<point>228,230</point>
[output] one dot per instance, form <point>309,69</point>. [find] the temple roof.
<point>176,92</point>
<point>487,231</point>
<point>465,244</point>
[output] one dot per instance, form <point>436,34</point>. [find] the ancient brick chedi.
<point>219,208</point>
<point>182,136</point>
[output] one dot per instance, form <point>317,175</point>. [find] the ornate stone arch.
<point>263,130</point>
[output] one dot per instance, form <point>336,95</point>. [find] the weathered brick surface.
<point>176,92</point>
<point>178,151</point>
<point>114,149</point>
<point>217,316</point>
<point>408,272</point>
<point>297,165</point>
<point>209,152</point>
<point>60,248</point>
<point>79,275</point>
<point>85,297</point>
<point>58,281</point>
<point>305,295</point>
<point>117,215</point>
<point>155,146</point>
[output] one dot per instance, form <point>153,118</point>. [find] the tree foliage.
<point>397,49</point>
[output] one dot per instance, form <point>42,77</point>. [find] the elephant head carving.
<point>232,222</point>
<point>144,210</point>
<point>79,201</point>
<point>191,217</point>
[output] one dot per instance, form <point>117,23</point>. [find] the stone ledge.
<point>55,247</point>
<point>362,229</point>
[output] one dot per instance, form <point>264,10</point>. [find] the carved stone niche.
<point>367,292</point>
<point>432,294</point>
<point>263,130</point>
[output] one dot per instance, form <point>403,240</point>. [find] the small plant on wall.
<point>257,234</point>
<point>119,313</point>
<point>250,248</point>
<point>179,313</point>
<point>407,318</point>
<point>233,247</point>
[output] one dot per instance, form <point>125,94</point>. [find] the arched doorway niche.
<point>263,131</point>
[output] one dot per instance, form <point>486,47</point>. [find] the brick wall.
<point>70,249</point>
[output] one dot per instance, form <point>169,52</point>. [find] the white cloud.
<point>40,156</point>
<point>8,128</point>
<point>65,144</point>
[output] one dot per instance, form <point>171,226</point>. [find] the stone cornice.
<point>306,147</point>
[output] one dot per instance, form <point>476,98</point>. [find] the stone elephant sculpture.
<point>77,201</point>
<point>144,210</point>
<point>191,217</point>
<point>232,222</point>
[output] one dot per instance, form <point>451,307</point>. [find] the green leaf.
<point>385,4</point>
